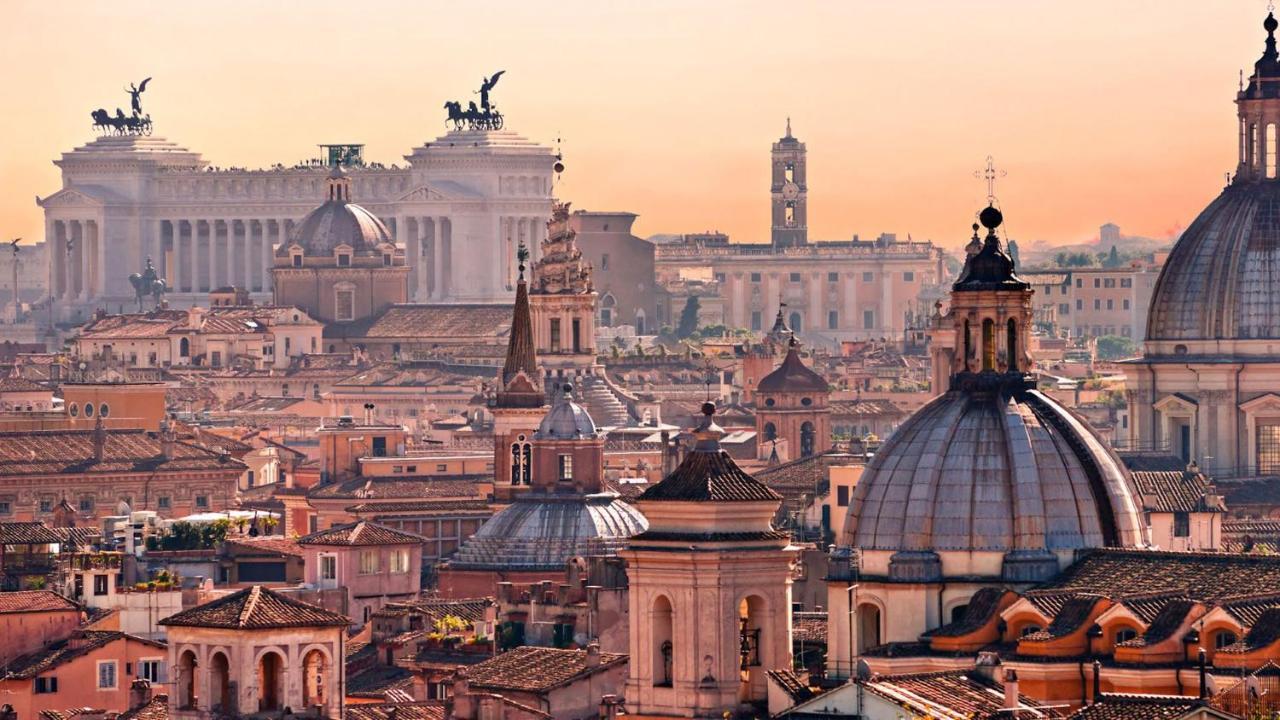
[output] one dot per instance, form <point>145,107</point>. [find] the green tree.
<point>1114,347</point>
<point>688,318</point>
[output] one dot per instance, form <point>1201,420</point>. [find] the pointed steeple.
<point>788,126</point>
<point>521,385</point>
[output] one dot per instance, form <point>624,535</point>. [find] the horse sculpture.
<point>121,124</point>
<point>148,282</point>
<point>473,118</point>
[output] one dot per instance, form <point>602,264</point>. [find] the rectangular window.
<point>297,261</point>
<point>46,506</point>
<point>833,277</point>
<point>555,335</point>
<point>1182,524</point>
<point>215,358</point>
<point>1268,448</point>
<point>566,468</point>
<point>842,495</point>
<point>795,277</point>
<point>45,685</point>
<point>1125,303</point>
<point>756,320</point>
<point>1097,304</point>
<point>106,674</point>
<point>1109,283</point>
<point>908,276</point>
<point>151,670</point>
<point>577,335</point>
<point>100,585</point>
<point>344,260</point>
<point>386,260</point>
<point>833,319</point>
<point>328,567</point>
<point>202,501</point>
<point>344,306</point>
<point>1125,331</point>
<point>380,446</point>
<point>441,467</point>
<point>164,502</point>
<point>1064,309</point>
<point>1111,304</point>
<point>1097,283</point>
<point>868,319</point>
<point>1079,304</point>
<point>868,276</point>
<point>1126,282</point>
<point>368,562</point>
<point>86,504</point>
<point>755,277</point>
<point>5,507</point>
<point>1079,282</point>
<point>399,561</point>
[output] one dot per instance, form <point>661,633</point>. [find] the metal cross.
<point>990,173</point>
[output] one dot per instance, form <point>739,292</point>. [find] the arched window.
<point>220,684</point>
<point>770,432</point>
<point>521,461</point>
<point>1224,638</point>
<point>751,628</point>
<point>184,348</point>
<point>662,644</point>
<point>968,345</point>
<point>807,439</point>
<point>868,617</point>
<point>314,669</point>
<point>187,681</point>
<point>1012,345</point>
<point>796,325</point>
<point>270,681</point>
<point>1029,629</point>
<point>957,612</point>
<point>988,344</point>
<point>640,322</point>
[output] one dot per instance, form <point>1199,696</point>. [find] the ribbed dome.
<point>545,532</point>
<point>792,376</point>
<point>338,222</point>
<point>994,469</point>
<point>566,420</point>
<point>1220,279</point>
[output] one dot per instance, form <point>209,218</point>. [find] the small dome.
<point>566,420</point>
<point>1220,280</point>
<point>998,470</point>
<point>793,376</point>
<point>546,532</point>
<point>338,222</point>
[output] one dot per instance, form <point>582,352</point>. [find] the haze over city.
<point>1096,109</point>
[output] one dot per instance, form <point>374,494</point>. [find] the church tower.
<point>710,587</point>
<point>563,304</point>
<point>792,408</point>
<point>517,404</point>
<point>789,192</point>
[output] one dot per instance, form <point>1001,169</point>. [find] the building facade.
<point>458,208</point>
<point>1095,302</point>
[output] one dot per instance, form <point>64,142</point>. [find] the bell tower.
<point>789,192</point>
<point>1258,107</point>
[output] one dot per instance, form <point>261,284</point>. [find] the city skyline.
<point>953,86</point>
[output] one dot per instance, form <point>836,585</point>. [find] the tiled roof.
<point>256,608</point>
<point>951,695</point>
<point>1164,624</point>
<point>981,608</point>
<point>24,601</point>
<point>20,384</point>
<point>1069,618</point>
<point>1263,633</point>
<point>1250,609</point>
<point>361,533</point>
<point>378,680</point>
<point>27,533</point>
<point>1198,576</point>
<point>400,488</point>
<point>269,544</point>
<point>58,452</point>
<point>425,710</point>
<point>809,627</point>
<point>792,376</point>
<point>1172,491</point>
<point>1148,460</point>
<point>804,475</point>
<point>536,669</point>
<point>468,609</point>
<point>458,322</point>
<point>1265,491</point>
<point>791,685</point>
<point>708,475</point>
<point>77,537</point>
<point>156,709</point>
<point>860,408</point>
<point>1138,707</point>
<point>424,507</point>
<point>53,655</point>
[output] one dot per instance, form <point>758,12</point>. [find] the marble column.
<point>58,260</point>
<point>77,260</point>
<point>264,247</point>
<point>437,266</point>
<point>198,228</point>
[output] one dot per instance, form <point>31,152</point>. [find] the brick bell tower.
<point>517,405</point>
<point>789,192</point>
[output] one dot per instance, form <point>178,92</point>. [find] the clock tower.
<point>789,192</point>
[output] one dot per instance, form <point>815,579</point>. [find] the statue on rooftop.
<point>148,282</point>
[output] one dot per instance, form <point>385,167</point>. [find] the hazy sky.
<point>1100,110</point>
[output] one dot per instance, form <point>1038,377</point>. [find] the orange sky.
<point>1100,110</point>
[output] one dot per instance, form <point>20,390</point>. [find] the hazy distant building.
<point>1095,302</point>
<point>789,192</point>
<point>459,208</point>
<point>622,269</point>
<point>1109,235</point>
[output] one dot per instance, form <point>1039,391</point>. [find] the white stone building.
<point>459,208</point>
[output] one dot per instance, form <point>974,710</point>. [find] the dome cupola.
<point>339,222</point>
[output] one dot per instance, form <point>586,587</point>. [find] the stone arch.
<point>184,348</point>
<point>808,437</point>
<point>316,665</point>
<point>869,616</point>
<point>755,639</point>
<point>662,621</point>
<point>220,696</point>
<point>187,667</point>
<point>770,432</point>
<point>269,669</point>
<point>640,326</point>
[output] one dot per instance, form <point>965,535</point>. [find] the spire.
<point>788,126</point>
<point>990,268</point>
<point>519,379</point>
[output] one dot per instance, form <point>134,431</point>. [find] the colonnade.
<point>516,229</point>
<point>75,262</point>
<point>200,255</point>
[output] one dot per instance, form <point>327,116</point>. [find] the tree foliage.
<point>1114,347</point>
<point>688,318</point>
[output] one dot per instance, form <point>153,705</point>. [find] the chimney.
<point>1097,680</point>
<point>166,440</point>
<point>593,654</point>
<point>139,693</point>
<point>1204,678</point>
<point>99,440</point>
<point>1010,690</point>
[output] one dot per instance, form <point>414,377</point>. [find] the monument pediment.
<point>424,193</point>
<point>1269,402</point>
<point>1176,402</point>
<point>69,197</point>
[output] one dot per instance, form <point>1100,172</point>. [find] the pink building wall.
<point>78,680</point>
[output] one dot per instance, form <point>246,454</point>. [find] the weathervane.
<point>990,173</point>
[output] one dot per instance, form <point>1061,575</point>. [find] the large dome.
<point>544,533</point>
<point>338,222</point>
<point>1000,469</point>
<point>1220,280</point>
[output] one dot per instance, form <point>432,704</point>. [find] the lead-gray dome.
<point>1220,280</point>
<point>994,469</point>
<point>546,532</point>
<point>566,420</point>
<point>338,222</point>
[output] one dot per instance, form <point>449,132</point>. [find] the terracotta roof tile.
<point>401,488</point>
<point>256,608</point>
<point>361,533</point>
<point>792,376</point>
<point>269,544</point>
<point>809,627</point>
<point>24,601</point>
<point>27,533</point>
<point>458,322</point>
<point>981,608</point>
<point>708,475</point>
<point>53,655</point>
<point>1264,632</point>
<point>951,695</point>
<point>56,452</point>
<point>1164,624</point>
<point>791,684</point>
<point>426,710</point>
<point>536,669</point>
<point>1197,576</point>
<point>1138,707</point>
<point>1069,618</point>
<point>1165,491</point>
<point>20,384</point>
<point>155,709</point>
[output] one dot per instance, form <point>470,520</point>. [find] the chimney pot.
<point>1010,690</point>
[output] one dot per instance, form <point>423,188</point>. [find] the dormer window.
<point>386,259</point>
<point>297,259</point>
<point>344,259</point>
